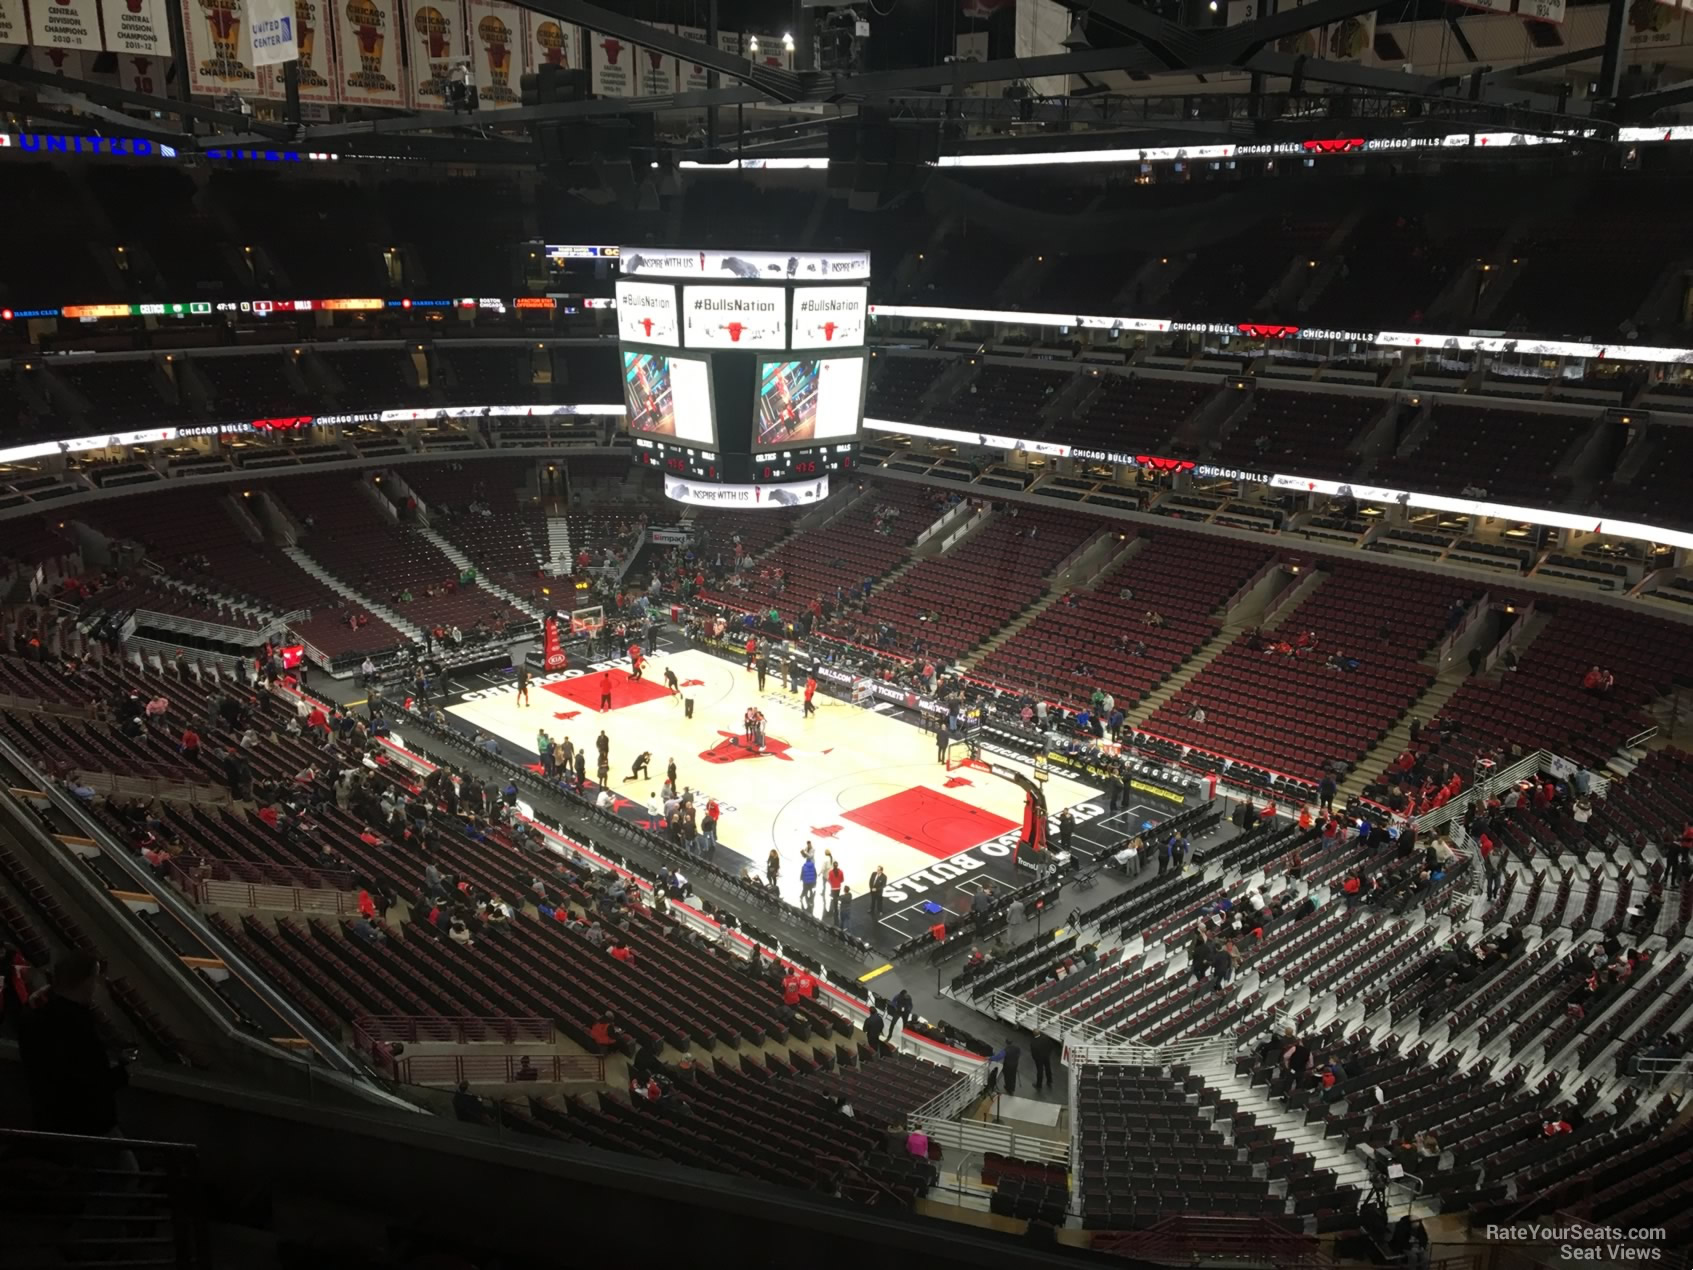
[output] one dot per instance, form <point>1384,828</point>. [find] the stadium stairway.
<point>1145,709</point>
<point>1308,1139</point>
<point>299,557</point>
<point>1428,706</point>
<point>1093,560</point>
<point>558,539</point>
<point>465,563</point>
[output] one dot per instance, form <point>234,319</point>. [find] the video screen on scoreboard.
<point>668,397</point>
<point>807,400</point>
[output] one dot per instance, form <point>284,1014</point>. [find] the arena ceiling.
<point>786,112</point>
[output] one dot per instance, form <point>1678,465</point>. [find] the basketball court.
<point>851,780</point>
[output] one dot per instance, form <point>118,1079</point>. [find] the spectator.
<point>72,1077</point>
<point>467,1107</point>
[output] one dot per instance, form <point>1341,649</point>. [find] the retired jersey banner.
<point>136,26</point>
<point>553,43</point>
<point>498,53</point>
<point>219,47</point>
<point>691,76</point>
<point>435,40</point>
<point>368,36</point>
<point>657,76</point>
<point>273,32</point>
<point>66,24</point>
<point>141,73</point>
<point>14,25</point>
<point>66,62</point>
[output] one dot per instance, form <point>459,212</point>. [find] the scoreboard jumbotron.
<point>743,371</point>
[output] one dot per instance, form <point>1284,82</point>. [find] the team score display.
<point>809,400</point>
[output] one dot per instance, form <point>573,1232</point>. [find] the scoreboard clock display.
<point>796,465</point>
<point>743,370</point>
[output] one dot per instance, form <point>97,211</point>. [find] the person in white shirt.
<point>605,800</point>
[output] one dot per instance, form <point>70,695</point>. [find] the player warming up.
<point>605,690</point>
<point>672,683</point>
<point>637,663</point>
<point>523,685</point>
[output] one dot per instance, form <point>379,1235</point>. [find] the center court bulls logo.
<point>825,831</point>
<point>734,747</point>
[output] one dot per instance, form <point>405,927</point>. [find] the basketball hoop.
<point>588,621</point>
<point>961,754</point>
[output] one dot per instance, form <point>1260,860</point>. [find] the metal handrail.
<point>127,1200</point>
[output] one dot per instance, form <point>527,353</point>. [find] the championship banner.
<point>219,47</point>
<point>552,43</point>
<point>771,52</point>
<point>14,25</point>
<point>657,76</point>
<point>66,24</point>
<point>552,651</point>
<point>613,66</point>
<point>273,32</point>
<point>435,42</point>
<point>315,66</point>
<point>690,76</point>
<point>499,53</point>
<point>368,35</point>
<point>135,26</point>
